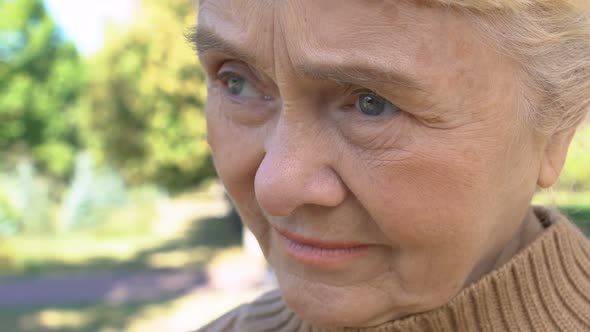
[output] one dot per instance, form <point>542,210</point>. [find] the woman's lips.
<point>321,253</point>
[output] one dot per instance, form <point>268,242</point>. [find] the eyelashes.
<point>238,86</point>
<point>242,89</point>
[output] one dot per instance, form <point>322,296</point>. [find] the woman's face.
<point>380,138</point>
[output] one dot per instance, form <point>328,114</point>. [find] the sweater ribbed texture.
<point>545,287</point>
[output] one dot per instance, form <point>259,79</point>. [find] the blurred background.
<point>111,218</point>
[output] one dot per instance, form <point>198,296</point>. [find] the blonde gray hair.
<point>550,39</point>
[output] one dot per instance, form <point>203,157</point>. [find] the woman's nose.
<point>294,173</point>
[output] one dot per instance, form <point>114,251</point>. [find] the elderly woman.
<point>385,153</point>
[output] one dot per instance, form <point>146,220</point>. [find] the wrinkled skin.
<point>439,184</point>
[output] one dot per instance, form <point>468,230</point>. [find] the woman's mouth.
<point>319,252</point>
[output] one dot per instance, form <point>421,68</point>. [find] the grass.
<point>202,241</point>
<point>185,313</point>
<point>32,256</point>
<point>93,318</point>
<point>186,232</point>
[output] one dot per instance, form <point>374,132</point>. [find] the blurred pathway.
<point>97,288</point>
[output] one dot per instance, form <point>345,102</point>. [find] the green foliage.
<point>145,107</point>
<point>92,193</point>
<point>8,218</point>
<point>29,204</point>
<point>40,82</point>
<point>576,173</point>
<point>25,202</point>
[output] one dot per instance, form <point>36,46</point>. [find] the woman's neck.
<point>529,230</point>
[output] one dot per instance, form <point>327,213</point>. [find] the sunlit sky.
<point>83,21</point>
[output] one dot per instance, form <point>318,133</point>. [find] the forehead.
<point>399,33</point>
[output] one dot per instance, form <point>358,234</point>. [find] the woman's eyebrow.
<point>357,72</point>
<point>205,40</point>
<point>346,71</point>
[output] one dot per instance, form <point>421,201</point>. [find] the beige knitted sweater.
<point>545,287</point>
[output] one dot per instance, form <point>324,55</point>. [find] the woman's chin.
<point>358,306</point>
<point>330,306</point>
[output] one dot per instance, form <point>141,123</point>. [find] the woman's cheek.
<point>237,151</point>
<point>236,155</point>
<point>418,194</point>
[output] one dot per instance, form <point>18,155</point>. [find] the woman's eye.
<point>238,86</point>
<point>374,105</point>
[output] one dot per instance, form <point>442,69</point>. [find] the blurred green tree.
<point>145,105</point>
<point>576,173</point>
<point>40,82</point>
